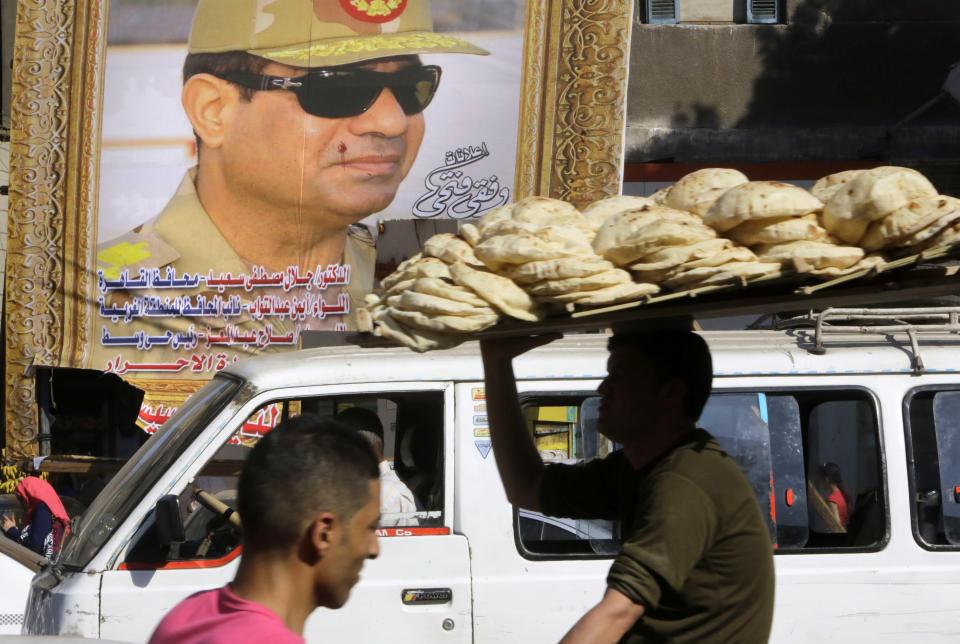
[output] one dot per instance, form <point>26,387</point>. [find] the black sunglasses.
<point>340,93</point>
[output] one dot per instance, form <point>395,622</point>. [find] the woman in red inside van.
<point>838,499</point>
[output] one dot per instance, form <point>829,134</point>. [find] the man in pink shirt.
<point>309,498</point>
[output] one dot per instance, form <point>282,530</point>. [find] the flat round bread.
<point>399,287</point>
<point>451,249</point>
<point>911,219</point>
<point>433,305</point>
<point>660,195</point>
<point>417,339</point>
<point>448,291</point>
<point>598,212</point>
<point>831,272</point>
<point>685,192</point>
<point>654,237</point>
<point>677,255</point>
<point>397,274</point>
<point>814,254</point>
<point>735,254</point>
<point>556,269</point>
<point>544,211</point>
<point>496,215</point>
<point>759,200</point>
<point>444,323</point>
<point>499,291</point>
<point>777,230</point>
<point>935,229</point>
<point>470,234</point>
<point>872,195</point>
<point>575,284</point>
<point>824,188</point>
<point>709,275</point>
<point>625,225</point>
<point>547,243</point>
<point>704,202</point>
<point>947,237</point>
<point>609,295</point>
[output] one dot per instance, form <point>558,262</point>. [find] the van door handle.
<point>426,596</point>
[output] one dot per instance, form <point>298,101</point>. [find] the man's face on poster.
<point>336,170</point>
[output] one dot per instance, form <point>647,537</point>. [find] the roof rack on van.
<point>911,321</point>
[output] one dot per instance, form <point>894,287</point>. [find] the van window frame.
<point>525,398</point>
<point>911,464</point>
<point>869,395</point>
<point>259,398</point>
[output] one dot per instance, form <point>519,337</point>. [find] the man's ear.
<point>207,102</point>
<point>321,534</point>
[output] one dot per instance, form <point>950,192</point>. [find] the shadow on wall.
<point>856,62</point>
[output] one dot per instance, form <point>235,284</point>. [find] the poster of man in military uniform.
<point>306,117</point>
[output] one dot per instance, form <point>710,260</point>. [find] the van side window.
<point>812,458</point>
<point>933,428</point>
<point>564,430</point>
<point>411,472</point>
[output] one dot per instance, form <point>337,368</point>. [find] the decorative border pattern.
<point>35,250</point>
<point>573,106</point>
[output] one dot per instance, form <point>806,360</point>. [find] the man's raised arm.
<point>519,463</point>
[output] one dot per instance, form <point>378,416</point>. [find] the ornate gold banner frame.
<point>570,143</point>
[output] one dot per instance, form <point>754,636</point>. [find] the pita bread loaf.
<point>824,188</point>
<point>448,291</point>
<point>685,192</point>
<point>939,228</point>
<point>599,211</point>
<point>677,255</point>
<point>549,242</point>
<point>444,323</point>
<point>654,237</point>
<point>710,275</point>
<point>947,237</point>
<point>610,295</point>
<point>451,249</point>
<point>625,225</point>
<point>556,269</point>
<point>577,284</point>
<point>499,291</point>
<point>417,339</point>
<point>705,201</point>
<point>735,254</point>
<point>470,234</point>
<point>759,200</point>
<point>911,219</point>
<point>544,211</point>
<point>497,214</point>
<point>397,274</point>
<point>831,272</point>
<point>434,305</point>
<point>778,229</point>
<point>660,195</point>
<point>814,254</point>
<point>872,195</point>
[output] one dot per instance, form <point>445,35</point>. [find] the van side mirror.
<point>168,520</point>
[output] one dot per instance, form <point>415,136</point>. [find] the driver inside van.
<point>300,551</point>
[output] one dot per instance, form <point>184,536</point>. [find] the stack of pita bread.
<point>780,223</point>
<point>673,248</point>
<point>434,298</point>
<point>891,209</point>
<point>543,246</point>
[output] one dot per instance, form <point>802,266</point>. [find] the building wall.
<point>828,84</point>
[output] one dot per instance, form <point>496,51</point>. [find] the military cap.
<point>320,33</point>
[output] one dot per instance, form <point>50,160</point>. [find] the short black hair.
<point>304,466</point>
<point>222,63</point>
<point>366,423</point>
<point>674,355</point>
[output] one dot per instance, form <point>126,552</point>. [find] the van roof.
<point>735,353</point>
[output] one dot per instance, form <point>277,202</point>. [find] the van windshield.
<point>144,469</point>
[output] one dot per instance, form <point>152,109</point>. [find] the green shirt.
<point>696,552</point>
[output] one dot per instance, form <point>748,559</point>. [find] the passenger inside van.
<point>836,495</point>
<point>395,497</point>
